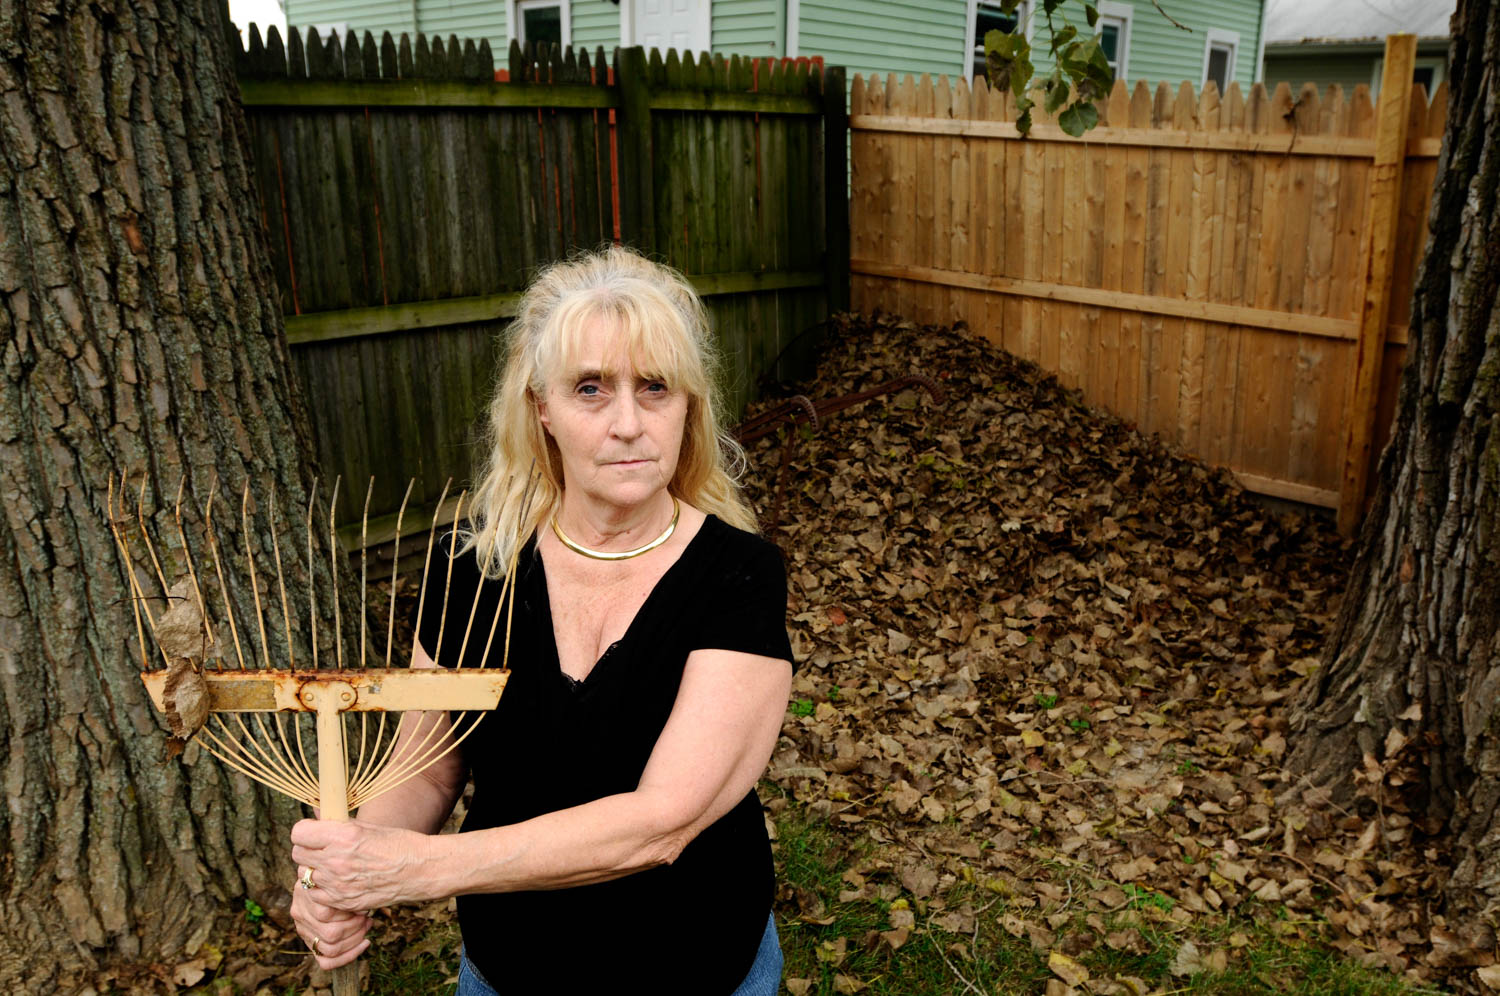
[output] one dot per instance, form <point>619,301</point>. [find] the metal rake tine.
<point>375,773</point>
<point>463,645</point>
<point>508,590</point>
<point>447,586</point>
<point>236,757</point>
<point>362,771</point>
<point>263,767</point>
<point>427,566</point>
<point>140,514</point>
<point>367,767</point>
<point>364,526</point>
<point>390,631</point>
<point>187,555</point>
<point>135,602</point>
<point>414,759</point>
<point>281,763</point>
<point>260,615</point>
<point>333,568</point>
<point>448,579</point>
<point>410,766</point>
<point>260,621</point>
<point>286,612</point>
<point>312,574</point>
<point>392,780</point>
<point>140,594</point>
<point>468,627</point>
<point>527,497</point>
<point>213,548</point>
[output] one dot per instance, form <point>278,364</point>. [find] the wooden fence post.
<point>836,187</point>
<point>1378,260</point>
<point>633,126</point>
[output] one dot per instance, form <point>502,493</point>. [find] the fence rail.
<point>1202,266</point>
<point>408,196</point>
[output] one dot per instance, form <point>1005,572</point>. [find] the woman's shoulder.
<point>731,547</point>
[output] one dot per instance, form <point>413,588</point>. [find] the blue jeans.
<point>764,978</point>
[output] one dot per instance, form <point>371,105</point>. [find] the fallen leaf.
<point>896,937</point>
<point>190,973</point>
<point>1067,969</point>
<point>1190,961</point>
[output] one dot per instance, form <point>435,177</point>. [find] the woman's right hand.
<point>335,937</point>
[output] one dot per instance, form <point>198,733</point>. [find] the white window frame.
<point>1436,63</point>
<point>1223,39</point>
<point>516,25</point>
<point>1120,13</point>
<point>966,68</point>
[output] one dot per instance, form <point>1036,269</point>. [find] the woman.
<point>615,836</point>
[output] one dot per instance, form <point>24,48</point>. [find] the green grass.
<point>1265,955</point>
<point>391,973</point>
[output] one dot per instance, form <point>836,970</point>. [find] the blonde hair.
<point>664,329</point>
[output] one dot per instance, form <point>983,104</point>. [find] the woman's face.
<point>619,433</point>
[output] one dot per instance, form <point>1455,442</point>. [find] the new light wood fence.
<point>408,197</point>
<point>1201,266</point>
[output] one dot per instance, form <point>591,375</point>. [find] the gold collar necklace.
<point>564,539</point>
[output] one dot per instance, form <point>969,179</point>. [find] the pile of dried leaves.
<point>1043,653</point>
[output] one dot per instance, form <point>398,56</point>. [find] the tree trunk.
<point>139,333</point>
<point>1411,675</point>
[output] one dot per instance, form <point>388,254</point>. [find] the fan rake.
<point>251,710</point>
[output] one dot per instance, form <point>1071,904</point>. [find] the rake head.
<point>237,685</point>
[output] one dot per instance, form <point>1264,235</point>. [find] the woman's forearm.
<point>601,840</point>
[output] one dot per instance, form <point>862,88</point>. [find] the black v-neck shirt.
<point>553,743</point>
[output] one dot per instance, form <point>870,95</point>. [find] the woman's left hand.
<point>362,866</point>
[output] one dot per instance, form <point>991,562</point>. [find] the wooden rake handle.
<point>330,699</point>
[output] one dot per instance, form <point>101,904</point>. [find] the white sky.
<point>262,13</point>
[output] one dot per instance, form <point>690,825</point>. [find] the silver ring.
<point>306,881</point>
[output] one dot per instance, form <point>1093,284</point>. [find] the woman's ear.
<point>541,410</point>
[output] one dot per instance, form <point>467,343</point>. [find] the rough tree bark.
<point>139,332</point>
<point>1411,672</point>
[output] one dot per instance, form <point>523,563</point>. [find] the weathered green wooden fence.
<point>408,196</point>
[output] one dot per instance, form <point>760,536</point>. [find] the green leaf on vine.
<point>1079,118</point>
<point>1055,92</point>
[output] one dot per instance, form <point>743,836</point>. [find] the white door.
<point>667,24</point>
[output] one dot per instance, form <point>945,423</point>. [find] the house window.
<point>1114,35</point>
<point>540,21</point>
<point>1219,51</point>
<point>1426,71</point>
<point>986,16</point>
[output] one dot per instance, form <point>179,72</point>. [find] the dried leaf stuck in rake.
<point>207,697</point>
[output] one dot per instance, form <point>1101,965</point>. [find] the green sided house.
<point>940,37</point>
<point>1333,41</point>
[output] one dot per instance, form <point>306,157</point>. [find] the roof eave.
<point>1349,46</point>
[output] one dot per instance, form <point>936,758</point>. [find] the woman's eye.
<point>656,387</point>
<point>588,390</point>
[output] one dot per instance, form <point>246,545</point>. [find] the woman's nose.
<point>627,424</point>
